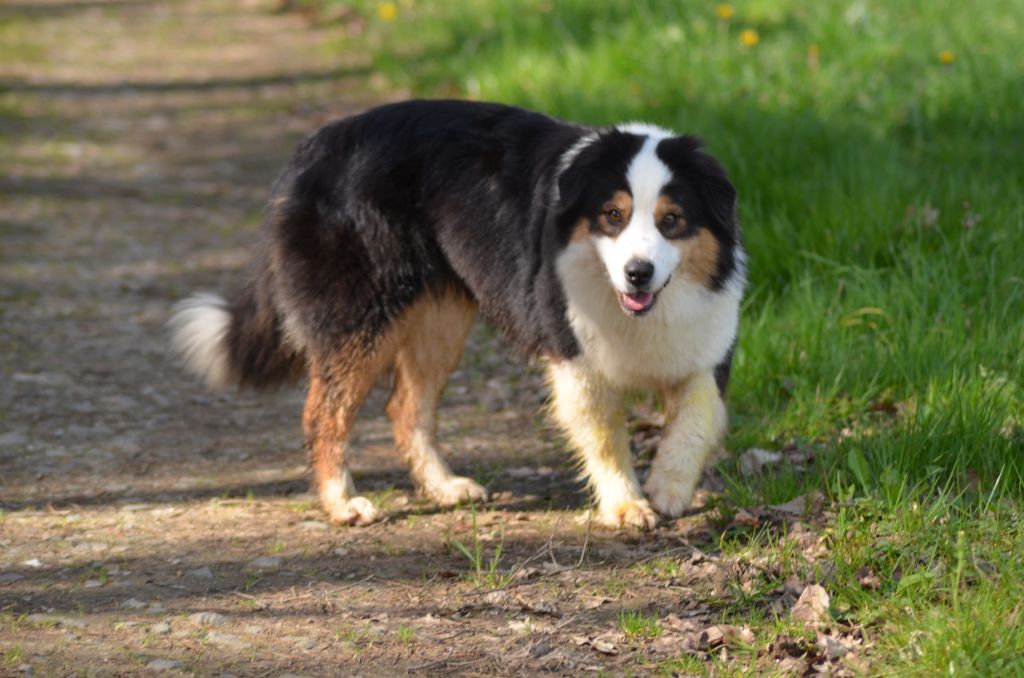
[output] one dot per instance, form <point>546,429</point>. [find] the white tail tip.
<point>199,330</point>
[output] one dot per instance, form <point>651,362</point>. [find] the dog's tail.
<point>240,342</point>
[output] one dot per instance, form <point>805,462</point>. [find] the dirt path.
<point>149,523</point>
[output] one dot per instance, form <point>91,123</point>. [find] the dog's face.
<point>656,209</point>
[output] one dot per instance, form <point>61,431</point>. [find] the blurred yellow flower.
<point>946,57</point>
<point>749,37</point>
<point>387,11</point>
<point>813,57</point>
<point>724,12</point>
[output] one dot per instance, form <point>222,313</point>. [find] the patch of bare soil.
<point>150,525</point>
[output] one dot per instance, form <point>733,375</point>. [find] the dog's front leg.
<point>591,412</point>
<point>695,422</point>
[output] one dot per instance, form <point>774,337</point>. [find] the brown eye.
<point>614,216</point>
<point>672,222</point>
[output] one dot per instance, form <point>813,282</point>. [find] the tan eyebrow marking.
<point>621,201</point>
<point>666,205</point>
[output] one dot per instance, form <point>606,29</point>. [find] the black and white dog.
<point>611,254</point>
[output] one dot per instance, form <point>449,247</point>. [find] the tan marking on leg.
<point>696,421</point>
<point>338,386</point>
<point>591,413</point>
<point>432,335</point>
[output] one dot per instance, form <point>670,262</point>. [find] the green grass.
<point>638,626</point>
<point>880,186</point>
<point>405,636</point>
<point>12,658</point>
<point>484,571</point>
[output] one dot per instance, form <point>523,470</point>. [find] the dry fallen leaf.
<point>755,459</point>
<point>676,624</point>
<point>868,579</point>
<point>794,665</point>
<point>746,518</point>
<point>794,506</point>
<point>811,503</point>
<point>742,634</point>
<point>834,649</point>
<point>668,644</point>
<point>724,634</point>
<point>605,643</point>
<point>813,605</point>
<point>711,637</point>
<point>595,602</point>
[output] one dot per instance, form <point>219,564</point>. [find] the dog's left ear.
<point>685,154</point>
<point>572,183</point>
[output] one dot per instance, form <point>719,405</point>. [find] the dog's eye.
<point>673,223</point>
<point>614,216</point>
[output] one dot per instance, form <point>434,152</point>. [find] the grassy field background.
<point>878,150</point>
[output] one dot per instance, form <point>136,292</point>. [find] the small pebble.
<point>265,563</point>
<point>207,618</point>
<point>161,629</point>
<point>54,620</point>
<point>304,643</point>
<point>163,664</point>
<point>226,640</point>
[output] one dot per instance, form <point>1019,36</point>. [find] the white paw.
<point>354,511</point>
<point>631,513</point>
<point>454,490</point>
<point>670,493</point>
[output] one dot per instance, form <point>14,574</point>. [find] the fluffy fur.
<point>611,254</point>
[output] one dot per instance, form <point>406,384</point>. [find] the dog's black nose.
<point>639,272</point>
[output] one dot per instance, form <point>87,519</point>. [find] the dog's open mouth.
<point>637,303</point>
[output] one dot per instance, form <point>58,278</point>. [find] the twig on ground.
<point>586,538</point>
<point>664,554</point>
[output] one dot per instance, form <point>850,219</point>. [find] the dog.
<point>612,255</point>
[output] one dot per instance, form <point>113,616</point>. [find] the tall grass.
<point>878,148</point>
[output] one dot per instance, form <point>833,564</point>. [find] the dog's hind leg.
<point>432,337</point>
<point>591,412</point>
<point>336,391</point>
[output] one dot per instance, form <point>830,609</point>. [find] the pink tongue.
<point>638,302</point>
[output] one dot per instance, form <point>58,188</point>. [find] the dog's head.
<point>655,208</point>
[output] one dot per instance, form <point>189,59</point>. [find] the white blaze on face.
<point>640,239</point>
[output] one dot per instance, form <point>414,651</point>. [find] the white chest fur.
<point>690,330</point>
